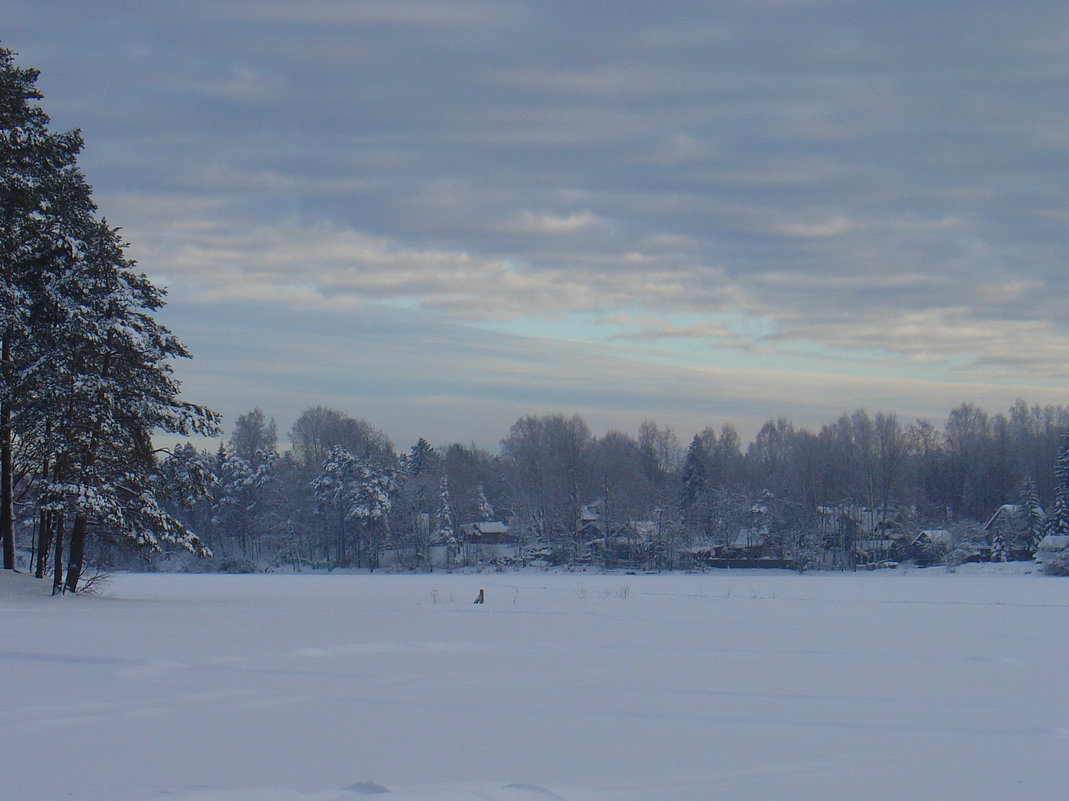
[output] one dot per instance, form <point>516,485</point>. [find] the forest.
<point>855,493</point>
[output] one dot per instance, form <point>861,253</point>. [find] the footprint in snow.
<point>367,788</point>
<point>532,791</point>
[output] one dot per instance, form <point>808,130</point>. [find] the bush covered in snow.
<point>1053,554</point>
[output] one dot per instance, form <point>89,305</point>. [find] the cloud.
<point>856,302</point>
<point>530,222</point>
<point>405,13</point>
<point>814,184</point>
<point>831,227</point>
<point>246,84</point>
<point>460,385</point>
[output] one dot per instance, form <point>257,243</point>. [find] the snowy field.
<point>731,685</point>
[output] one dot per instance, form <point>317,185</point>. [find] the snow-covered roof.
<point>939,536</point>
<point>490,527</point>
<point>1007,510</point>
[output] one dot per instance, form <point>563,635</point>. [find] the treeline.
<point>342,496</point>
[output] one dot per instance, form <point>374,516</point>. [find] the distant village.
<point>846,537</point>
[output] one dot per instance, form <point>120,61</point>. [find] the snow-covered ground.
<point>731,685</point>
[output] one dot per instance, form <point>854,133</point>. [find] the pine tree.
<point>85,378</point>
<point>42,198</point>
<point>241,503</point>
<point>116,390</point>
<point>362,493</point>
<point>188,483</point>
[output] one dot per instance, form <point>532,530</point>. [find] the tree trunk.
<point>45,543</point>
<point>7,468</point>
<point>7,494</point>
<point>57,567</point>
<point>77,552</point>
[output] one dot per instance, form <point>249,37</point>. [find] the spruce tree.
<point>694,474</point>
<point>1035,518</point>
<point>483,510</point>
<point>1058,521</point>
<point>447,531</point>
<point>420,458</point>
<point>999,551</point>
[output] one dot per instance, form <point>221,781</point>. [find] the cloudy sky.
<point>441,216</point>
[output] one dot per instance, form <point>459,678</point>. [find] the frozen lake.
<point>583,687</point>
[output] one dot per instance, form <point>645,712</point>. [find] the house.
<point>876,548</point>
<point>930,546</point>
<point>933,537</point>
<point>863,520</point>
<point>490,542</point>
<point>632,545</point>
<point>749,542</point>
<point>490,532</point>
<point>1010,526</point>
<point>597,522</point>
<point>590,523</point>
<point>850,534</point>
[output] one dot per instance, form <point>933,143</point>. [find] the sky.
<point>443,216</point>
